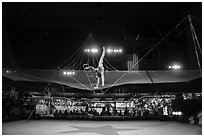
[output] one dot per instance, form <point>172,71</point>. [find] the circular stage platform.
<point>74,127</point>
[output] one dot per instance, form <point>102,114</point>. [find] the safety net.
<point>86,80</point>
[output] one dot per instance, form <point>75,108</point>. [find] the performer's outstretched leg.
<point>101,68</point>
<point>100,63</point>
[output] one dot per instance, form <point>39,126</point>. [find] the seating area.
<point>65,108</point>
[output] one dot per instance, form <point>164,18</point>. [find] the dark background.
<point>44,35</point>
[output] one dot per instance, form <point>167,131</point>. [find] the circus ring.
<point>80,127</point>
<point>77,127</point>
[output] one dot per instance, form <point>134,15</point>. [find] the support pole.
<point>195,41</point>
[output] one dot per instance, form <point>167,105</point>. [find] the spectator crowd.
<point>63,107</point>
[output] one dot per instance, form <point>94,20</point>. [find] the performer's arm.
<point>86,67</point>
<point>92,68</point>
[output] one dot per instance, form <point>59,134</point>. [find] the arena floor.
<point>75,127</point>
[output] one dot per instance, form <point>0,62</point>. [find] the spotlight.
<point>115,51</point>
<point>8,71</point>
<point>64,73</point>
<point>69,73</point>
<point>94,50</point>
<point>109,50</point>
<point>175,67</point>
<point>179,113</point>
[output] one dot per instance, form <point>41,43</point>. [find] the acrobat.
<point>99,70</point>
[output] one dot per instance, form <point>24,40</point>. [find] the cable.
<point>77,59</point>
<point>32,111</point>
<point>80,83</point>
<point>93,60</point>
<point>197,58</point>
<point>88,59</point>
<point>124,29</point>
<point>106,67</point>
<point>198,61</point>
<point>148,52</point>
<point>196,18</point>
<point>194,41</point>
<point>61,81</point>
<point>196,38</point>
<point>110,64</point>
<point>97,58</point>
<point>69,66</point>
<point>75,52</point>
<point>79,63</point>
<point>51,80</point>
<point>157,29</point>
<point>68,58</point>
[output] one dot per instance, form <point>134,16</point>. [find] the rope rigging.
<point>194,34</point>
<point>82,45</point>
<point>70,66</point>
<point>80,57</point>
<point>50,80</point>
<point>195,41</point>
<point>80,64</point>
<point>147,53</point>
<point>61,81</point>
<point>80,83</point>
<point>112,68</point>
<point>77,61</point>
